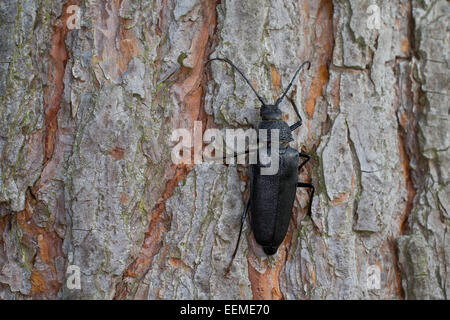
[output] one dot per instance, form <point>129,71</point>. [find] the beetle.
<point>272,196</point>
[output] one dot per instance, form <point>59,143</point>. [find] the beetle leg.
<point>307,185</point>
<point>295,125</point>
<point>244,215</point>
<point>298,123</point>
<point>303,155</point>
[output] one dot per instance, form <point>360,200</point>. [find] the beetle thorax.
<point>272,119</point>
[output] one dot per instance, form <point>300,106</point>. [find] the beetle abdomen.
<point>272,199</point>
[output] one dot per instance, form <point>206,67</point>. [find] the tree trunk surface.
<point>87,180</point>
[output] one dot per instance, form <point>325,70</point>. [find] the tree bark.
<point>86,177</point>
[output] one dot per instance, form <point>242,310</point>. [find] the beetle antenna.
<point>296,110</point>
<point>240,72</point>
<point>292,81</point>
<point>227,270</point>
<point>244,215</point>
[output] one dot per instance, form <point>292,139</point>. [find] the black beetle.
<point>272,196</point>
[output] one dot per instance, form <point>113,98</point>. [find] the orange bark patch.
<point>38,284</point>
<point>316,89</point>
<point>177,263</point>
<point>3,222</point>
<point>24,219</point>
<point>323,44</point>
<point>264,290</point>
<point>276,80</point>
<point>190,80</point>
<point>124,199</point>
<point>192,101</point>
<point>405,46</point>
<point>129,46</point>
<point>403,119</point>
<point>37,238</point>
<point>342,197</point>
<point>339,199</point>
<point>53,94</point>
<point>313,277</point>
<point>392,271</point>
<point>45,246</point>
<point>114,40</point>
<point>43,279</point>
<point>265,286</point>
<point>244,178</point>
<point>255,84</point>
<point>411,191</point>
<point>117,153</point>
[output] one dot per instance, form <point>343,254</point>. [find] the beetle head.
<point>272,119</point>
<point>270,112</point>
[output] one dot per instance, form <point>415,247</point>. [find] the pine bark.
<point>86,176</point>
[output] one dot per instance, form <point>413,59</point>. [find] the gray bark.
<point>86,176</point>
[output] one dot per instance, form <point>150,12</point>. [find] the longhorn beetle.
<point>272,196</point>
